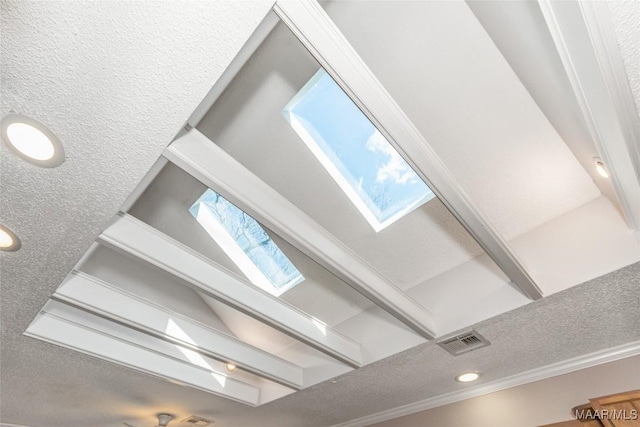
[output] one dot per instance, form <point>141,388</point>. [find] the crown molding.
<point>564,367</point>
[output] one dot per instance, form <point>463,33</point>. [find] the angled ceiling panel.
<point>84,332</point>
<point>165,206</point>
<point>133,237</point>
<point>210,164</point>
<point>493,126</point>
<point>97,296</point>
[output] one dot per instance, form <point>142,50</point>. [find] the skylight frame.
<point>220,233</point>
<point>308,21</point>
<point>210,164</point>
<point>344,175</point>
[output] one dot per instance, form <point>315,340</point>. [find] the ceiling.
<point>117,80</point>
<point>569,390</point>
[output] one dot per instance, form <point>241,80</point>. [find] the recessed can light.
<point>467,377</point>
<point>9,242</point>
<point>31,140</point>
<point>600,168</point>
<point>230,367</point>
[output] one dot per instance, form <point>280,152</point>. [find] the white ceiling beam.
<point>78,330</point>
<point>133,237</point>
<point>94,295</point>
<point>317,32</point>
<point>211,165</point>
<point>584,37</point>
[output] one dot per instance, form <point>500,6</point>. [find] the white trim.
<point>584,38</point>
<point>315,30</point>
<point>104,299</point>
<point>605,45</point>
<point>537,374</point>
<point>78,330</point>
<point>133,237</point>
<point>211,165</point>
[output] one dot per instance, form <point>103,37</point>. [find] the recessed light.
<point>230,367</point>
<point>600,168</point>
<point>31,140</point>
<point>467,377</point>
<point>9,242</point>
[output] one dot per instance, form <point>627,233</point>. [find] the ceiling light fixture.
<point>9,242</point>
<point>164,419</point>
<point>31,140</point>
<point>467,377</point>
<point>230,367</point>
<point>600,168</point>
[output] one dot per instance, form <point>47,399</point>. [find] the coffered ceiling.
<point>154,307</point>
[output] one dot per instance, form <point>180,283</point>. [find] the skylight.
<point>246,243</point>
<point>365,165</point>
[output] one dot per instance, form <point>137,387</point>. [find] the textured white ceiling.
<point>48,386</point>
<point>534,404</point>
<point>115,80</point>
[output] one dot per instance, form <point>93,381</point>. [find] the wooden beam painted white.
<point>133,237</point>
<point>317,32</point>
<point>78,330</point>
<point>95,295</point>
<point>205,161</point>
<point>584,37</point>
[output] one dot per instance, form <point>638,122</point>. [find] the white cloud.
<point>395,169</point>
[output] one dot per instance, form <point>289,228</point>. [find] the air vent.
<point>196,421</point>
<point>463,343</point>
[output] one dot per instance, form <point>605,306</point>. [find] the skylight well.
<point>377,180</point>
<point>246,243</point>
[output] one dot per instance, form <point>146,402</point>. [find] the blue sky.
<point>246,243</point>
<point>369,164</point>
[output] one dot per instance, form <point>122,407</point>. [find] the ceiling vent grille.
<point>196,421</point>
<point>464,342</point>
